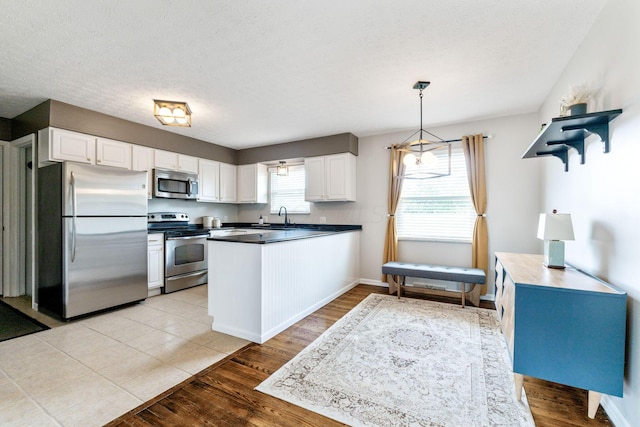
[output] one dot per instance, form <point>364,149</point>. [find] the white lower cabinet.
<point>155,261</point>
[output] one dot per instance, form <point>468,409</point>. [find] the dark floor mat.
<point>14,323</point>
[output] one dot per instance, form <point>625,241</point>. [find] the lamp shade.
<point>555,226</point>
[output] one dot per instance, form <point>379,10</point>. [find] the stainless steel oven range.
<point>185,250</point>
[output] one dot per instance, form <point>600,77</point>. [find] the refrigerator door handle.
<point>72,184</point>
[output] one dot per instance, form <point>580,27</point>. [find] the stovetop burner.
<point>173,224</point>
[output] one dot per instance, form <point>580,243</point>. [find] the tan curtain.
<point>396,167</point>
<point>473,147</point>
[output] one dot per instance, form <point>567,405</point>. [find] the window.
<point>288,191</point>
<point>437,208</point>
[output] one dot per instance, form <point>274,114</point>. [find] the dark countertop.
<point>277,233</point>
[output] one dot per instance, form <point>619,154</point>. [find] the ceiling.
<point>263,72</point>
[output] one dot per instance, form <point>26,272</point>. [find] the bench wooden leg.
<point>474,295</point>
<point>395,284</point>
<point>463,291</point>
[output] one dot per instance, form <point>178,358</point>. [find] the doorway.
<point>18,240</point>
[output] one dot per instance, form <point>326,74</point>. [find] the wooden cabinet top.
<point>528,269</point>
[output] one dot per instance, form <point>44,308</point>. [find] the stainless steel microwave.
<point>175,185</point>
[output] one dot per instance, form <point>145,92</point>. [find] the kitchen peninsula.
<point>265,280</point>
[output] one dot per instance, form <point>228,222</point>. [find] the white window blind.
<point>437,208</point>
<point>288,191</point>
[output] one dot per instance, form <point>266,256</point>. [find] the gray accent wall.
<point>333,144</point>
<point>31,121</point>
<point>5,129</point>
<point>65,116</point>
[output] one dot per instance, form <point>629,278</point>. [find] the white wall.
<point>196,210</point>
<point>602,195</point>
<point>512,185</point>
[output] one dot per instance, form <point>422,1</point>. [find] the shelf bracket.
<point>560,154</point>
<point>577,144</point>
<point>601,129</point>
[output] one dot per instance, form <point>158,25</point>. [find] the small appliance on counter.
<point>185,250</point>
<point>207,222</point>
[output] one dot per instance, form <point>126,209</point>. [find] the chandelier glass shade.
<point>282,169</point>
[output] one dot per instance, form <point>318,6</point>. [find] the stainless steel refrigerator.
<point>92,238</point>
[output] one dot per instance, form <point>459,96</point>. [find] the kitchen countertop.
<point>277,232</point>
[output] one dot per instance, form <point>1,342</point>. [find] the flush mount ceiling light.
<point>172,113</point>
<point>282,169</point>
<point>425,155</point>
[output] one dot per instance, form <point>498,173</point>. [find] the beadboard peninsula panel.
<point>258,290</point>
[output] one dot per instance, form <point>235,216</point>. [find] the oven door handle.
<point>202,236</point>
<point>182,276</point>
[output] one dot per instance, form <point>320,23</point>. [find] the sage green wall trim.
<point>333,144</point>
<point>31,120</point>
<point>5,129</point>
<point>70,117</point>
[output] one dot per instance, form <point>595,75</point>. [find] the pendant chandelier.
<point>282,169</point>
<point>423,157</point>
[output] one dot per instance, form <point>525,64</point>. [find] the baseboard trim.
<point>374,282</point>
<point>614,414</point>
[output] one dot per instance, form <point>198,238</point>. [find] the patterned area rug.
<point>408,362</point>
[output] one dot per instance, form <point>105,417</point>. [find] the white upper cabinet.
<point>314,178</point>
<point>113,153</point>
<point>142,160</point>
<point>228,183</point>
<point>175,162</point>
<point>217,182</point>
<point>209,180</point>
<point>58,145</point>
<point>187,163</point>
<point>252,183</point>
<point>165,160</point>
<point>330,178</point>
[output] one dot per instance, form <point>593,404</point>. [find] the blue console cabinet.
<point>561,325</point>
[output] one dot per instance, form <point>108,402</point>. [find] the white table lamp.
<point>554,228</point>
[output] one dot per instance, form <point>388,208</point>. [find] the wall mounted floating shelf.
<point>563,133</point>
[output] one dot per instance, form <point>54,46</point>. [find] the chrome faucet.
<point>286,218</point>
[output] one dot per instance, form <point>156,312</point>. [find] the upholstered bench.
<point>463,275</point>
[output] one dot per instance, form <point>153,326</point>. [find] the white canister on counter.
<point>217,223</point>
<point>207,221</point>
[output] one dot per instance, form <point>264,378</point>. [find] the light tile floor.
<point>90,371</point>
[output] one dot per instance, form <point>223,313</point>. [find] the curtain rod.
<point>453,140</point>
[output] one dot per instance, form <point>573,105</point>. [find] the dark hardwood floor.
<point>223,395</point>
